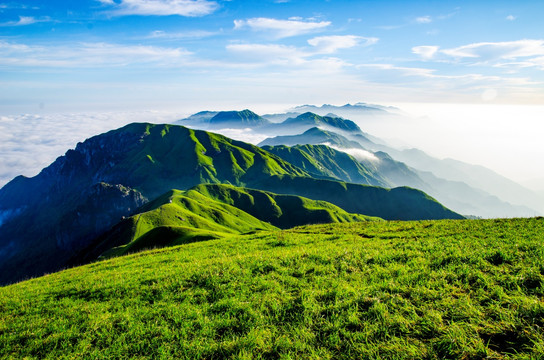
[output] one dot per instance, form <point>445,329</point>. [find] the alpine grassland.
<point>465,289</point>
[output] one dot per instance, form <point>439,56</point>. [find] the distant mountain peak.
<point>245,117</point>
<point>310,118</point>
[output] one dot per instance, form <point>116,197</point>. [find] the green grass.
<point>322,160</point>
<point>211,211</point>
<point>468,289</point>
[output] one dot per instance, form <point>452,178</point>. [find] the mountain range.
<point>144,186</point>
<point>62,216</point>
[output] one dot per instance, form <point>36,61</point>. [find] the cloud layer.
<point>282,28</point>
<point>162,7</point>
<point>520,53</point>
<point>87,55</point>
<point>330,44</point>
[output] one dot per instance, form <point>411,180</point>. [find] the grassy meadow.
<point>467,289</point>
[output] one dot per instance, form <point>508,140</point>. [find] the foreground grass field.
<point>467,289</point>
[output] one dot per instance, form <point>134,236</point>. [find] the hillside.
<point>476,176</point>
<point>49,219</point>
<point>210,212</point>
<point>314,136</point>
<point>401,203</point>
<point>308,120</point>
<point>381,290</point>
<point>214,120</point>
<point>349,110</point>
<point>63,209</point>
<point>324,160</point>
<point>244,118</point>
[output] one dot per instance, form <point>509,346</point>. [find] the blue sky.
<point>149,54</point>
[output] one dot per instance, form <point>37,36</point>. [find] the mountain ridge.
<point>58,212</point>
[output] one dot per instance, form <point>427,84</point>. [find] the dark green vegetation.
<point>59,214</point>
<point>375,290</point>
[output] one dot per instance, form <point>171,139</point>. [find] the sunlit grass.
<point>432,289</point>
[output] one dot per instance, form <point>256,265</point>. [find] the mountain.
<point>383,170</point>
<point>278,118</point>
<point>83,193</point>
<point>244,118</point>
<point>360,112</point>
<point>477,177</point>
<point>211,211</point>
<point>347,110</point>
<point>313,136</point>
<point>210,120</point>
<point>202,117</point>
<point>48,219</point>
<point>326,161</point>
<point>303,122</point>
<point>456,195</point>
<point>401,203</point>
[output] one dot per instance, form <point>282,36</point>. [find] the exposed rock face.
<point>64,207</point>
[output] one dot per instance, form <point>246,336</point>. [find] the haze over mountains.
<point>468,189</point>
<point>60,217</point>
<point>145,185</point>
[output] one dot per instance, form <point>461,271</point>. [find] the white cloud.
<point>508,55</point>
<point>498,50</point>
<point>88,55</point>
<point>489,94</point>
<point>162,7</point>
<point>358,154</point>
<point>196,34</point>
<point>424,20</point>
<point>510,18</point>
<point>26,20</point>
<point>330,44</point>
<point>270,53</point>
<point>246,135</point>
<point>465,87</point>
<point>17,6</point>
<point>426,52</point>
<point>405,71</point>
<point>282,28</point>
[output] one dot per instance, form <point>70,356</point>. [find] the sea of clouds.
<point>30,142</point>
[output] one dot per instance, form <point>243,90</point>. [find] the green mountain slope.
<point>64,208</point>
<point>309,120</point>
<point>244,118</point>
<point>401,203</point>
<point>209,212</point>
<point>283,211</point>
<point>200,118</point>
<point>59,212</point>
<point>221,119</point>
<point>375,290</point>
<point>314,136</point>
<point>323,160</point>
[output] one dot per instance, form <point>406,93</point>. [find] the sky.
<point>184,56</point>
